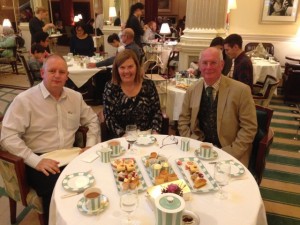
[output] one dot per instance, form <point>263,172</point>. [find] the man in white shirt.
<point>45,118</point>
<point>99,22</point>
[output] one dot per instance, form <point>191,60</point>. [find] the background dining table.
<point>80,74</point>
<point>244,205</point>
<point>263,67</point>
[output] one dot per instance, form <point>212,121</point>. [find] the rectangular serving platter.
<point>211,184</point>
<point>142,185</point>
<point>144,160</point>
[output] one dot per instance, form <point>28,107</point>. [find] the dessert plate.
<point>213,155</point>
<point>144,160</point>
<point>82,208</point>
<point>142,186</point>
<point>123,150</point>
<point>236,168</point>
<point>145,140</point>
<point>78,182</point>
<point>64,156</point>
<point>211,184</point>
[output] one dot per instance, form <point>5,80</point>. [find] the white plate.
<point>63,156</point>
<point>211,184</point>
<point>123,150</point>
<point>145,140</point>
<point>236,168</point>
<point>213,156</point>
<point>82,208</point>
<point>78,182</point>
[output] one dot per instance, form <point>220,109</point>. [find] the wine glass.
<point>222,176</point>
<point>131,135</point>
<point>128,203</point>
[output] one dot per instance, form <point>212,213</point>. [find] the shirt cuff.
<point>32,160</point>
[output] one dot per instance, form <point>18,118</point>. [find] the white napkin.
<point>90,157</point>
<point>64,156</point>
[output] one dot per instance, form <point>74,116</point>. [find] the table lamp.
<point>6,23</point>
<point>112,13</point>
<point>164,30</point>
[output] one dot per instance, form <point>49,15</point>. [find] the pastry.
<point>130,167</point>
<point>164,174</point>
<point>159,180</point>
<point>188,165</point>
<point>117,162</point>
<point>172,177</point>
<point>193,169</point>
<point>199,182</point>
<point>121,168</point>
<point>153,155</point>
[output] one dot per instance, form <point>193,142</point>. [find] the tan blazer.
<point>236,117</point>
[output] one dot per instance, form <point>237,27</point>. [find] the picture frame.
<point>164,5</point>
<point>279,11</point>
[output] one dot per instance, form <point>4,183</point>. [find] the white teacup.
<point>92,198</point>
<point>105,154</point>
<point>115,146</point>
<point>205,149</point>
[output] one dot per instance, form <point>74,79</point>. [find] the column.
<point>204,21</point>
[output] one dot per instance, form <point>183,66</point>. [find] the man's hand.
<point>48,165</point>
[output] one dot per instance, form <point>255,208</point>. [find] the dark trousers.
<point>43,185</point>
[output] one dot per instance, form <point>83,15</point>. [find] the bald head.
<point>127,36</point>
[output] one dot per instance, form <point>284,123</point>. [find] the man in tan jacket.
<point>219,110</point>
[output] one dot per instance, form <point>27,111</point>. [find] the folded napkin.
<point>63,156</point>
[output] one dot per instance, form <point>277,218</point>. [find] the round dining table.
<point>263,67</point>
<point>243,206</point>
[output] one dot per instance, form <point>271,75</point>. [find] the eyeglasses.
<point>172,138</point>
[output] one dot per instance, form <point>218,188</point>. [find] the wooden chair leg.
<point>42,219</point>
<point>13,210</point>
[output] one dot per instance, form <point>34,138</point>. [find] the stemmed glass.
<point>129,203</point>
<point>131,135</point>
<point>222,176</point>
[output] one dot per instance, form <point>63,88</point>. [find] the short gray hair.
<point>220,52</point>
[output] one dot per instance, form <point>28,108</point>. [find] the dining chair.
<point>291,82</point>
<point>27,70</point>
<point>172,63</point>
<point>11,60</point>
<point>263,92</point>
<point>252,45</point>
<point>262,142</point>
<point>15,182</point>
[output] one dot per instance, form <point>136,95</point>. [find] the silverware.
<point>70,194</point>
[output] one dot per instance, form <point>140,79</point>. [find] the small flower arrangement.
<point>173,188</point>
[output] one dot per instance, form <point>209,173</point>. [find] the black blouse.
<point>143,110</point>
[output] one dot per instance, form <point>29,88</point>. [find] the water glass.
<point>129,203</point>
<point>222,175</point>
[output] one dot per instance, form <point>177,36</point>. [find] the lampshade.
<point>231,4</point>
<point>112,12</point>
<point>79,16</point>
<point>6,23</point>
<point>165,29</point>
<point>76,19</point>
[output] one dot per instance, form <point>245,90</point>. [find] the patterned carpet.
<point>280,187</point>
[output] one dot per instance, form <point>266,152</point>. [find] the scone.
<point>153,155</point>
<point>172,177</point>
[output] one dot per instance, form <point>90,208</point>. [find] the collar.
<point>215,85</point>
<point>47,94</point>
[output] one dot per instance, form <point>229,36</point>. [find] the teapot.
<point>170,210</point>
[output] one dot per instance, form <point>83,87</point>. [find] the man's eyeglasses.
<point>169,140</point>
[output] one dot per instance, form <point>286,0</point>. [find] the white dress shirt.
<point>36,122</point>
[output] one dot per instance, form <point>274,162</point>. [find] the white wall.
<point>245,20</point>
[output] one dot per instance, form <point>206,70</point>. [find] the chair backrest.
<point>261,142</point>
<point>291,82</point>
<point>27,70</point>
<point>269,82</point>
<point>252,45</point>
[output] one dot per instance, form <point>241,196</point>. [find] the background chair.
<point>261,143</point>
<point>15,182</point>
<point>263,92</point>
<point>27,70</point>
<point>252,45</point>
<point>291,82</point>
<point>11,60</point>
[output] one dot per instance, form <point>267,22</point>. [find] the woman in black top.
<point>133,22</point>
<point>130,99</point>
<point>82,43</point>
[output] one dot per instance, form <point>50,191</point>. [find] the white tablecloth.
<point>174,101</point>
<point>262,68</point>
<point>80,75</point>
<point>244,205</point>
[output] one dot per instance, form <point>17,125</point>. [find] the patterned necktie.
<point>209,93</point>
